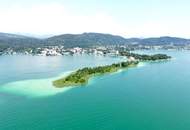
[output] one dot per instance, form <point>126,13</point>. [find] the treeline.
<point>145,57</point>
<point>81,76</point>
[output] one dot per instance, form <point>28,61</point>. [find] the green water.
<point>155,96</point>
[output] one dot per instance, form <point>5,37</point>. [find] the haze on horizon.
<point>128,18</point>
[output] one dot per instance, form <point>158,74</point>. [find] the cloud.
<point>54,19</point>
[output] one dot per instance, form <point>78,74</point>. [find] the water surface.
<point>151,97</point>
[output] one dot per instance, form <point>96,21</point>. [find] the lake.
<point>152,96</point>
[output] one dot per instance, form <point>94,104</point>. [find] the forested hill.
<point>18,41</point>
<point>164,41</point>
<point>86,39</point>
<point>83,40</point>
<point>90,39</point>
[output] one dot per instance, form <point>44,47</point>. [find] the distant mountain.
<point>83,40</point>
<point>11,36</point>
<point>164,41</point>
<point>86,40</point>
<point>90,39</point>
<point>18,41</point>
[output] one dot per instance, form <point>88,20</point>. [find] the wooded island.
<point>81,76</point>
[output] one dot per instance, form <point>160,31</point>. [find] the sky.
<point>128,18</point>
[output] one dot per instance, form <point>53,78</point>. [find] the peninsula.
<point>81,76</point>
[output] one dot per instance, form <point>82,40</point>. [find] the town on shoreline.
<point>90,43</point>
<point>95,50</point>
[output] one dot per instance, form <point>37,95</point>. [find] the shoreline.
<point>82,76</point>
<point>44,87</point>
<point>34,87</point>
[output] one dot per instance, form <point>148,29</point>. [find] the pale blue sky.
<point>129,18</point>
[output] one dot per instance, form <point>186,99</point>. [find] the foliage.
<point>81,76</point>
<point>145,57</point>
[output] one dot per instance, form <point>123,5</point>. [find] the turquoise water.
<point>154,96</point>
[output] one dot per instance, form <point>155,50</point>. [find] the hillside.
<point>91,39</point>
<point>18,41</point>
<point>164,41</point>
<point>83,40</point>
<point>86,40</point>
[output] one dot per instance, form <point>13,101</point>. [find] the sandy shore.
<point>34,88</point>
<point>40,87</point>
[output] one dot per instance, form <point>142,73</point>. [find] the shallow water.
<point>34,88</point>
<point>154,96</point>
